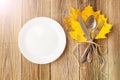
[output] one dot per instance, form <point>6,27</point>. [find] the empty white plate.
<point>42,40</point>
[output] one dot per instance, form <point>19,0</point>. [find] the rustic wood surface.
<point>13,66</point>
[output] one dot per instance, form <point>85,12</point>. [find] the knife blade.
<point>84,28</point>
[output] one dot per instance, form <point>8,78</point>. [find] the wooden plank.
<point>44,10</point>
<point>114,39</point>
<point>10,62</point>
<point>66,67</point>
<point>29,70</point>
<point>10,57</point>
<point>104,71</point>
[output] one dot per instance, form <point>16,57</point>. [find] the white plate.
<point>42,40</point>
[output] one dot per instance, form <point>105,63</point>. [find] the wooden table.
<point>13,66</point>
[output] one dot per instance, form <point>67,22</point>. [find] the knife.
<point>84,28</point>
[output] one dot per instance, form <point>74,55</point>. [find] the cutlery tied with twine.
<point>87,26</point>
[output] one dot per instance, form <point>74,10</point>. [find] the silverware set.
<point>90,26</point>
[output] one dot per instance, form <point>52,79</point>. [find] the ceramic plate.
<point>42,40</point>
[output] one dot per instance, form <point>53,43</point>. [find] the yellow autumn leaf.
<point>105,28</point>
<point>74,28</point>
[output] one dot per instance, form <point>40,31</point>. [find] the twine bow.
<point>92,48</point>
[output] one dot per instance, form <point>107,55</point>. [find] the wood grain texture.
<point>13,66</point>
<point>113,40</point>
<point>10,57</point>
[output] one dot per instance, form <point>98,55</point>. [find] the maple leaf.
<point>74,28</point>
<point>105,28</point>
